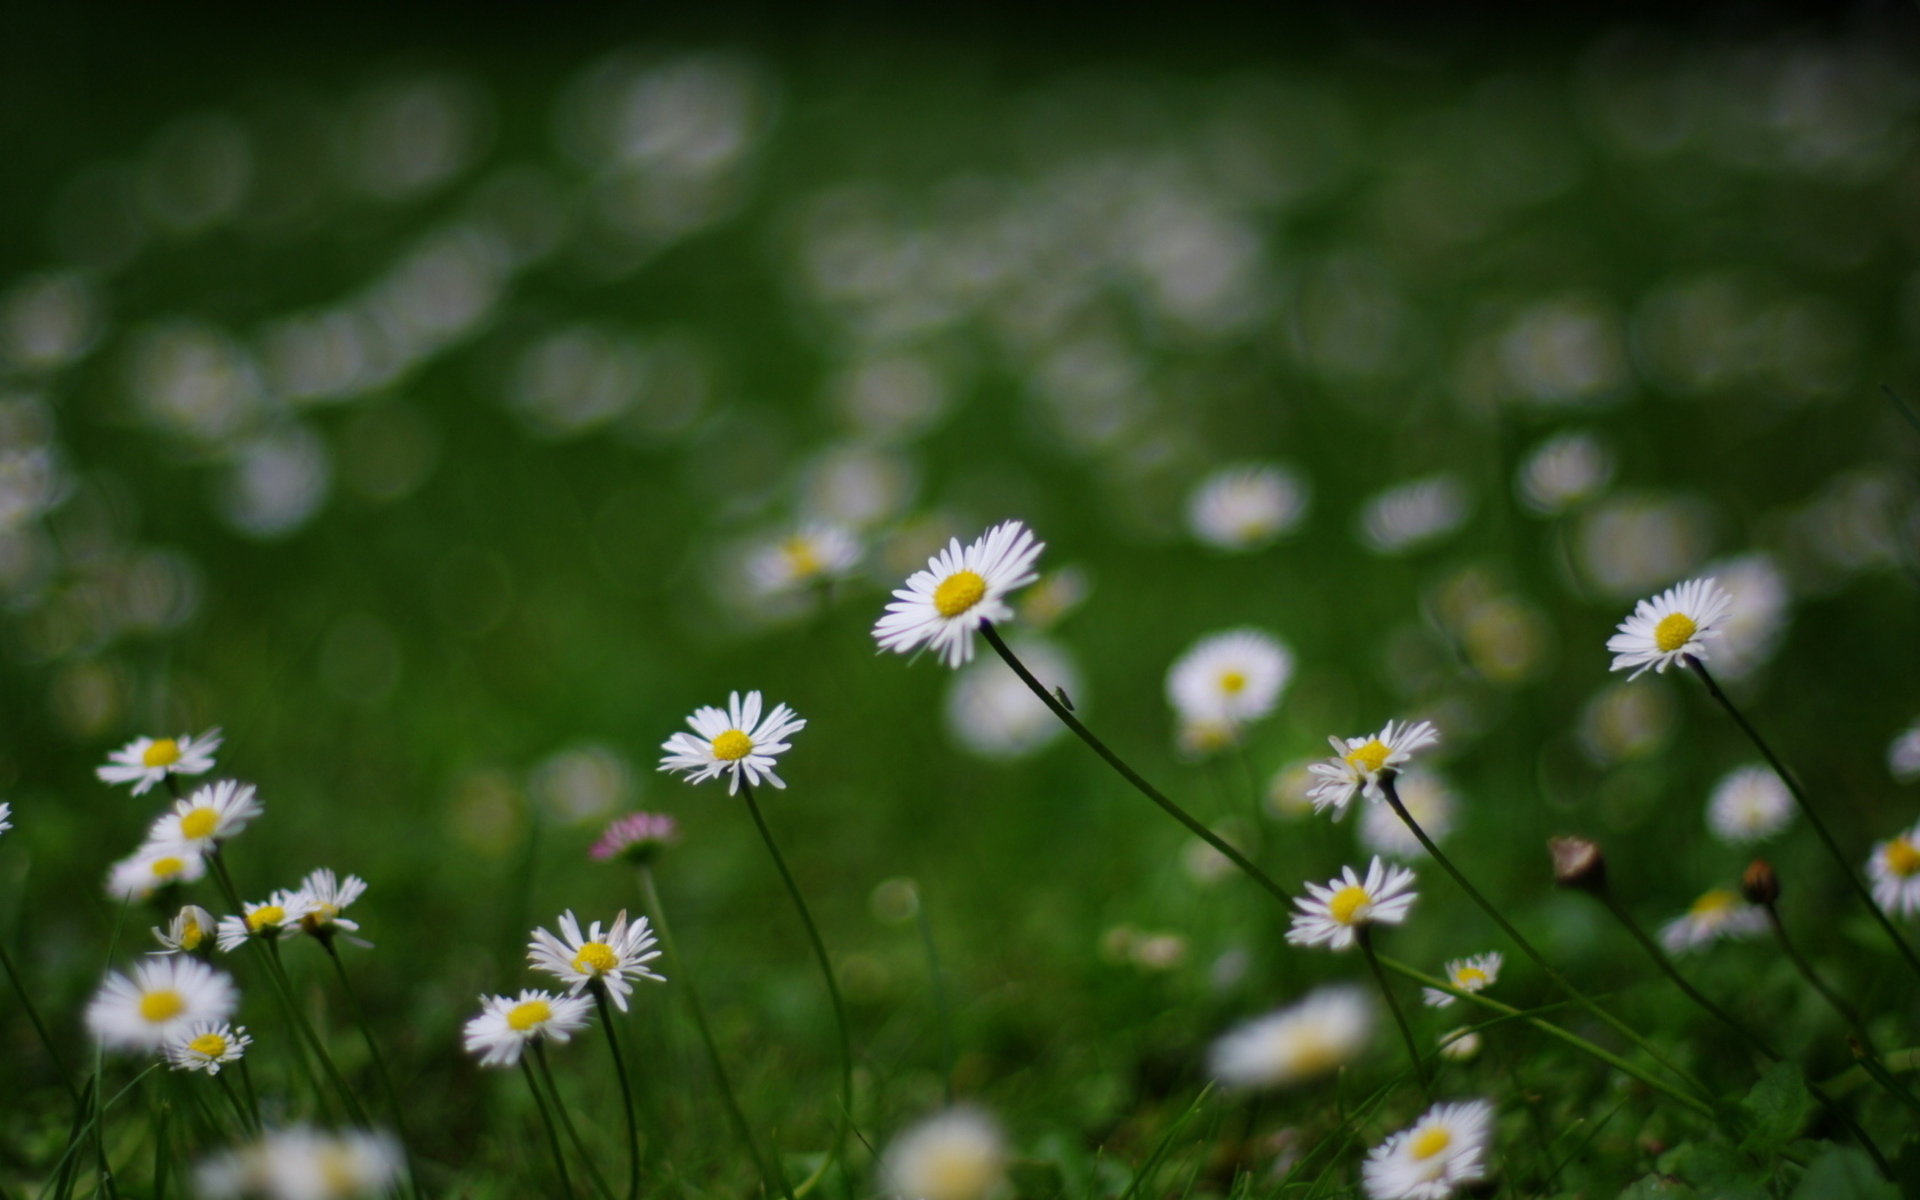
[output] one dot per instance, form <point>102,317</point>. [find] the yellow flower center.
<point>1231,682</point>
<point>1902,858</point>
<point>265,916</point>
<point>1718,901</point>
<point>1430,1143</point>
<point>596,958</point>
<point>1370,757</point>
<point>533,1012</point>
<point>340,1172</point>
<point>958,592</point>
<point>212,1045</point>
<point>958,1173</point>
<point>1674,631</point>
<point>1346,902</point>
<point>801,559</point>
<point>167,867</point>
<point>1315,1055</point>
<point>163,753</point>
<point>199,823</point>
<point>163,1005</point>
<point>1470,978</point>
<point>191,935</point>
<point>732,746</point>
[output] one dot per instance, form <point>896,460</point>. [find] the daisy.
<point>608,959</point>
<point>815,553</point>
<point>1564,472</point>
<point>1246,508</point>
<point>1334,913</point>
<point>734,743</point>
<point>211,814</point>
<point>1469,975</point>
<point>1427,1161</point>
<point>151,868</point>
<point>207,1046</point>
<point>942,605</point>
<point>1460,1045</point>
<point>1671,626</point>
<point>1328,1029</point>
<point>1748,805</point>
<point>1359,762</point>
<point>505,1025</point>
<point>6,817</point>
<point>304,1164</point>
<point>279,913</point>
<point>636,837</point>
<point>186,933</point>
<point>163,998</point>
<point>1233,677</point>
<point>1903,755</point>
<point>146,761</point>
<point>958,1154</point>
<point>1427,799</point>
<point>1716,914</point>
<point>320,899</point>
<point>1895,872</point>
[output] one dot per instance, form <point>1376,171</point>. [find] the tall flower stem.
<point>1627,1031</point>
<point>1848,1012</point>
<point>626,1088</point>
<point>773,1182</point>
<point>566,1121</point>
<point>833,990</point>
<point>247,1123</point>
<point>1806,807</point>
<point>326,940</point>
<point>1364,935</point>
<point>1126,772</point>
<point>39,1026</point>
<point>553,1135</point>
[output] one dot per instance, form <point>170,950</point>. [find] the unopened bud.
<point>1760,885</point>
<point>1578,864</point>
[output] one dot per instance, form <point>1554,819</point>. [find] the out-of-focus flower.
<point>817,552</point>
<point>163,998</point>
<point>1894,869</point>
<point>1474,974</point>
<point>1326,1030</point>
<point>959,1154</point>
<point>1630,543</point>
<point>1290,791</point>
<point>735,742</point>
<point>1460,1045</point>
<point>211,815</point>
<point>1445,1149</point>
<point>1903,754</point>
<point>186,932</point>
<point>1427,799</point>
<point>992,712</point>
<point>609,959</point>
<point>1628,720</point>
<point>1749,804</point>
<point>151,868</point>
<point>1757,616</point>
<point>276,916</point>
<point>1245,508</point>
<point>1233,677</point>
<point>942,605</point>
<point>207,1046</point>
<point>146,761</point>
<point>303,1164</point>
<point>1716,914</point>
<point>1333,914</point>
<point>636,837</point>
<point>1564,472</point>
<point>1055,595</point>
<point>1404,518</point>
<point>505,1025</point>
<point>1358,763</point>
<point>1670,626</point>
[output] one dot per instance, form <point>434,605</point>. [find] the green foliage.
<point>1844,1173</point>
<point>1778,1106</point>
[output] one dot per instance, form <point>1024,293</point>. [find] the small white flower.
<point>146,761</point>
<point>1232,677</point>
<point>1894,869</point>
<point>213,813</point>
<point>1757,615</point>
<point>1564,472</point>
<point>1903,754</point>
<point>303,1164</point>
<point>1326,1030</point>
<point>1245,508</point>
<point>1403,519</point>
<point>1334,913</point>
<point>942,605</point>
<point>817,552</point>
<point>321,898</point>
<point>610,959</point>
<point>207,1046</point>
<point>1716,914</point>
<point>735,742</point>
<point>186,933</point>
<point>6,817</point>
<point>1358,763</point>
<point>279,914</point>
<point>1672,625</point>
<point>1469,975</point>
<point>161,999</point>
<point>151,868</point>
<point>505,1025</point>
<point>1460,1044</point>
<point>1444,1149</point>
<point>1749,804</point>
<point>959,1154</point>
<point>1427,799</point>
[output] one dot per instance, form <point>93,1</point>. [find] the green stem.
<point>1847,1012</point>
<point>626,1090</point>
<point>39,1026</point>
<point>553,1135</point>
<point>1364,935</point>
<point>247,1124</point>
<point>566,1122</point>
<point>271,942</point>
<point>1662,961</point>
<point>940,1005</point>
<point>1851,1079</point>
<point>253,1097</point>
<point>326,940</point>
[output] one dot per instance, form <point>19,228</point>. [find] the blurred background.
<point>420,400</point>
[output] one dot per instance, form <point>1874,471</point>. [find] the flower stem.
<point>247,1124</point>
<point>1364,935</point>
<point>626,1089</point>
<point>1848,1012</point>
<point>833,990</point>
<point>1806,807</point>
<point>566,1121</point>
<point>553,1135</point>
<point>1128,773</point>
<point>379,1061</point>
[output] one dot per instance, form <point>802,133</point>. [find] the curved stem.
<point>553,1135</point>
<point>379,1062</point>
<point>1364,935</point>
<point>626,1089</point>
<point>1847,1012</point>
<point>566,1121</point>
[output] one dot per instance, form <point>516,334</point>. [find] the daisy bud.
<point>1760,885</point>
<point>1578,864</point>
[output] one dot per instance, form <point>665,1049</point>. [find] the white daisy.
<point>1444,1149</point>
<point>817,552</point>
<point>213,813</point>
<point>1903,754</point>
<point>1672,625</point>
<point>186,933</point>
<point>1757,615</point>
<point>1716,914</point>
<point>1563,472</point>
<point>1460,1044</point>
<point>1427,799</point>
<point>207,1046</point>
<point>942,605</point>
<point>1326,1030</point>
<point>958,1154</point>
<point>1894,869</point>
<point>610,959</point>
<point>146,761</point>
<point>505,1025</point>
<point>1749,804</point>
<point>1231,677</point>
<point>1469,975</point>
<point>161,999</point>
<point>151,868</point>
<point>279,914</point>
<point>6,817</point>
<point>734,743</point>
<point>1332,914</point>
<point>1245,508</point>
<point>1358,763</point>
<point>303,1164</point>
<point>321,897</point>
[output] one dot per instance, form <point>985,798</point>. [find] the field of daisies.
<point>867,619</point>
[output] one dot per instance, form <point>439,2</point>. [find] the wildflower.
<point>1671,626</point>
<point>1717,914</point>
<point>186,933</point>
<point>1460,1045</point>
<point>608,959</point>
<point>1469,975</point>
<point>1757,614</point>
<point>320,899</point>
<point>636,837</point>
<point>151,868</point>
<point>1427,799</point>
<point>817,552</point>
<point>279,914</point>
<point>146,761</point>
<point>1578,864</point>
<point>505,1025</point>
<point>1359,762</point>
<point>1054,596</point>
<point>991,711</point>
<point>212,814</point>
<point>1201,736</point>
<point>1563,472</point>
<point>1326,1030</point>
<point>1245,508</point>
<point>163,998</point>
<point>1442,1150</point>
<point>207,1046</point>
<point>1334,913</point>
<point>1404,518</point>
<point>960,589</point>
<point>6,815</point>
<point>1232,677</point>
<point>958,1154</point>
<point>304,1164</point>
<point>1903,754</point>
<point>735,743</point>
<point>1894,869</point>
<point>1748,805</point>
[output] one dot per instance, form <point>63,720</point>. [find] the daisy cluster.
<point>596,965</point>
